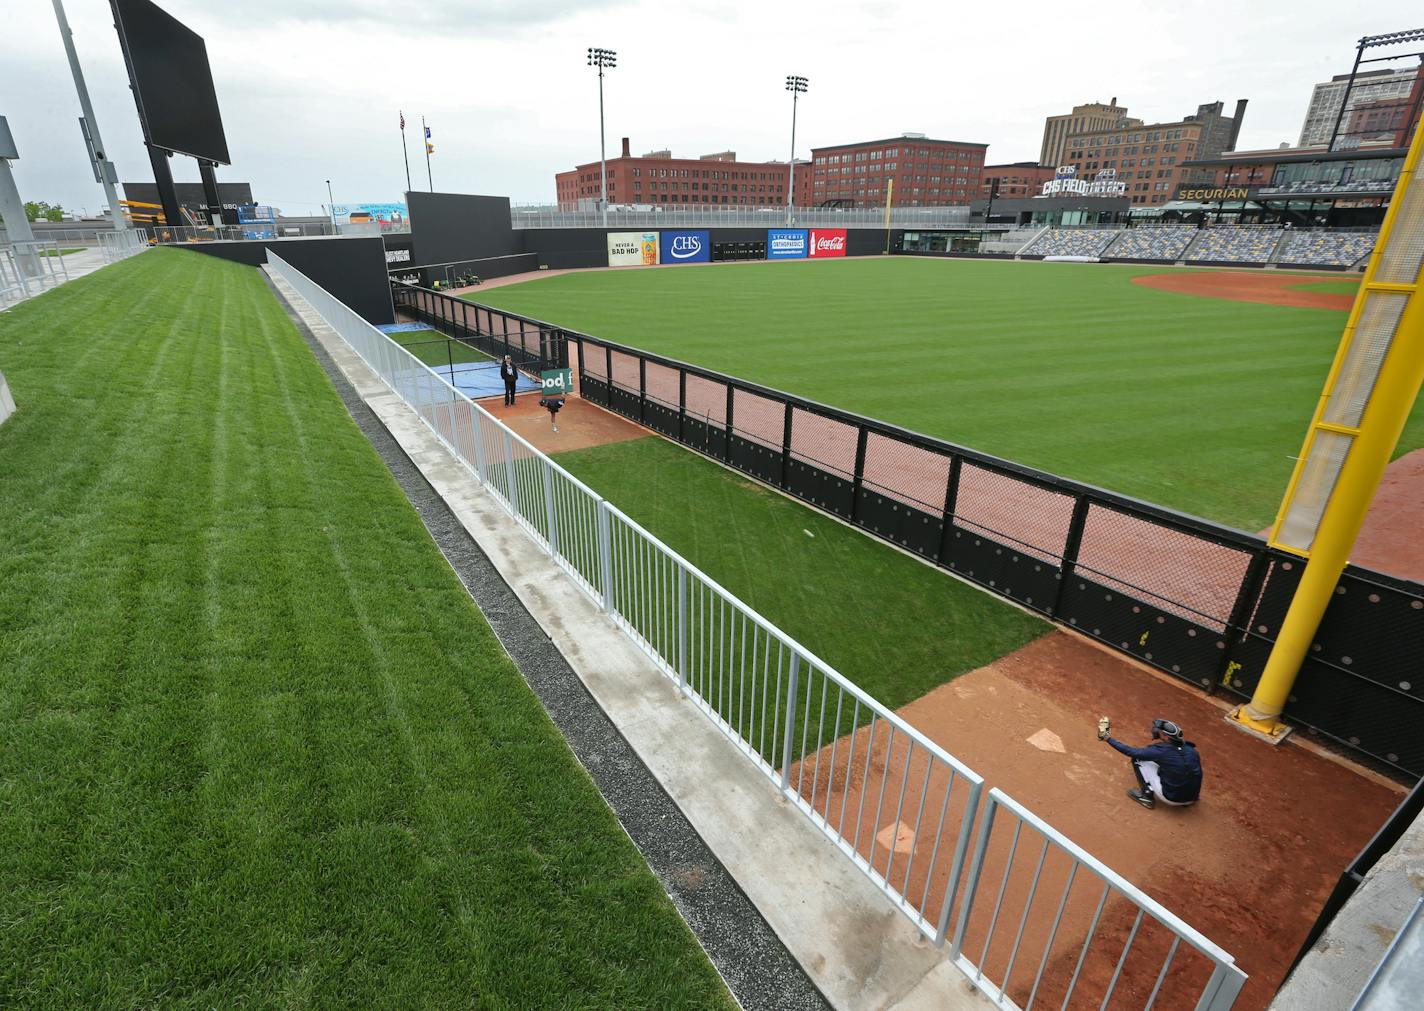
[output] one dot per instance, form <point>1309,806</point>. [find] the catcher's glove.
<point>1104,728</point>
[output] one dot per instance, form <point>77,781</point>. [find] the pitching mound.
<point>581,425</point>
<point>1263,286</point>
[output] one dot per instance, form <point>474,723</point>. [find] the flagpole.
<point>426,130</point>
<point>405,151</point>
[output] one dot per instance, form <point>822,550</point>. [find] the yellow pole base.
<point>1268,728</point>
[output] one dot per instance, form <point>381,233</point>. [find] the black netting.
<point>1027,516</point>
<point>662,384</point>
<point>625,371</point>
<point>906,473</point>
<point>595,361</point>
<point>823,442</point>
<point>706,400</point>
<point>758,419</point>
<point>1181,573</point>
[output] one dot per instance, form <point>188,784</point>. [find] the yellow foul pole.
<point>1367,399</point>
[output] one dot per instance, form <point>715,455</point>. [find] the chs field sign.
<point>557,382</point>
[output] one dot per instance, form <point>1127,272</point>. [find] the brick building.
<point>927,173</point>
<point>1083,119</point>
<point>1149,159</point>
<point>659,178</point>
<point>1017,180</point>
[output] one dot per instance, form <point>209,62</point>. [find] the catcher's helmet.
<point>1167,729</point>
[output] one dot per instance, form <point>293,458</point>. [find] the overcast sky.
<point>310,89</point>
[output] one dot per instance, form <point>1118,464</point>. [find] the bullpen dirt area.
<point>1249,866</point>
<point>1248,286</point>
<point>580,424</point>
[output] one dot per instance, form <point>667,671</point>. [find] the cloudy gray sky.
<point>310,89</point>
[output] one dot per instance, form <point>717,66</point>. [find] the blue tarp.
<point>402,327</point>
<point>481,379</point>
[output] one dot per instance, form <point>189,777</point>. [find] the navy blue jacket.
<point>1179,768</point>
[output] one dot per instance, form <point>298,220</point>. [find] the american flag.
<point>402,116</point>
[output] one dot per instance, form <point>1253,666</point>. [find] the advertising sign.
<point>827,242</point>
<point>786,243</point>
<point>686,247</point>
<point>389,216</point>
<point>557,382</point>
<point>632,249</point>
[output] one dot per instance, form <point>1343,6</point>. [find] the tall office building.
<point>1083,119</point>
<point>1375,88</point>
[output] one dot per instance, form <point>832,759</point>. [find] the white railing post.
<point>682,627</point>
<point>605,554</point>
<point>553,537</point>
<point>511,479</point>
<point>479,444</point>
<point>790,721</point>
<point>971,884</point>
<point>1222,989</point>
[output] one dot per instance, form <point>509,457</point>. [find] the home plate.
<point>902,834</point>
<point>1047,740</point>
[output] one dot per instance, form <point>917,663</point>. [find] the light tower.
<point>603,59</point>
<point>797,86</point>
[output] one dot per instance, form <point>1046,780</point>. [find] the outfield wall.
<point>352,267</point>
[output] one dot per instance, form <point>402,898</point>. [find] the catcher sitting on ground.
<point>1169,769</point>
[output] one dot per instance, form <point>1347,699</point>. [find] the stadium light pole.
<point>603,59</point>
<point>797,86</point>
<point>103,168</point>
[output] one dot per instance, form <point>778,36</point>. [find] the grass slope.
<point>1191,402</point>
<point>257,746</point>
<point>893,625</point>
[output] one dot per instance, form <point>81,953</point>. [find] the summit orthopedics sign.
<point>1066,180</point>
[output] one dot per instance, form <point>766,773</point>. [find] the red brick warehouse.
<point>927,173</point>
<point>659,178</point>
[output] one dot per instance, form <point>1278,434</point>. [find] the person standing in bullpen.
<point>510,375</point>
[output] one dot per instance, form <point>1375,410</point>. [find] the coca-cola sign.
<point>827,242</point>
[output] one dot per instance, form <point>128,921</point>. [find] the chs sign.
<point>686,247</point>
<point>1105,184</point>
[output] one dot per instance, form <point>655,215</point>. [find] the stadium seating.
<point>1236,243</point>
<point>1070,242</point>
<point>1329,249</point>
<point>1166,242</point>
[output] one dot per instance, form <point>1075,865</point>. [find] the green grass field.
<point>1190,402</point>
<point>890,623</point>
<point>1330,287</point>
<point>257,746</point>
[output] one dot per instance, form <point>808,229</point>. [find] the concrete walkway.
<point>86,261</point>
<point>839,927</point>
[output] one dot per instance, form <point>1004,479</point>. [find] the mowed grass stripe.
<point>259,746</point>
<point>1194,403</point>
<point>893,625</point>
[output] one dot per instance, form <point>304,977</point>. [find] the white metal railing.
<point>674,216</point>
<point>186,234</point>
<point>760,687</point>
<point>29,267</point>
<point>119,245</point>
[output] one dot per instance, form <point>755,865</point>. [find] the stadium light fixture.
<point>797,86</point>
<point>603,59</point>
